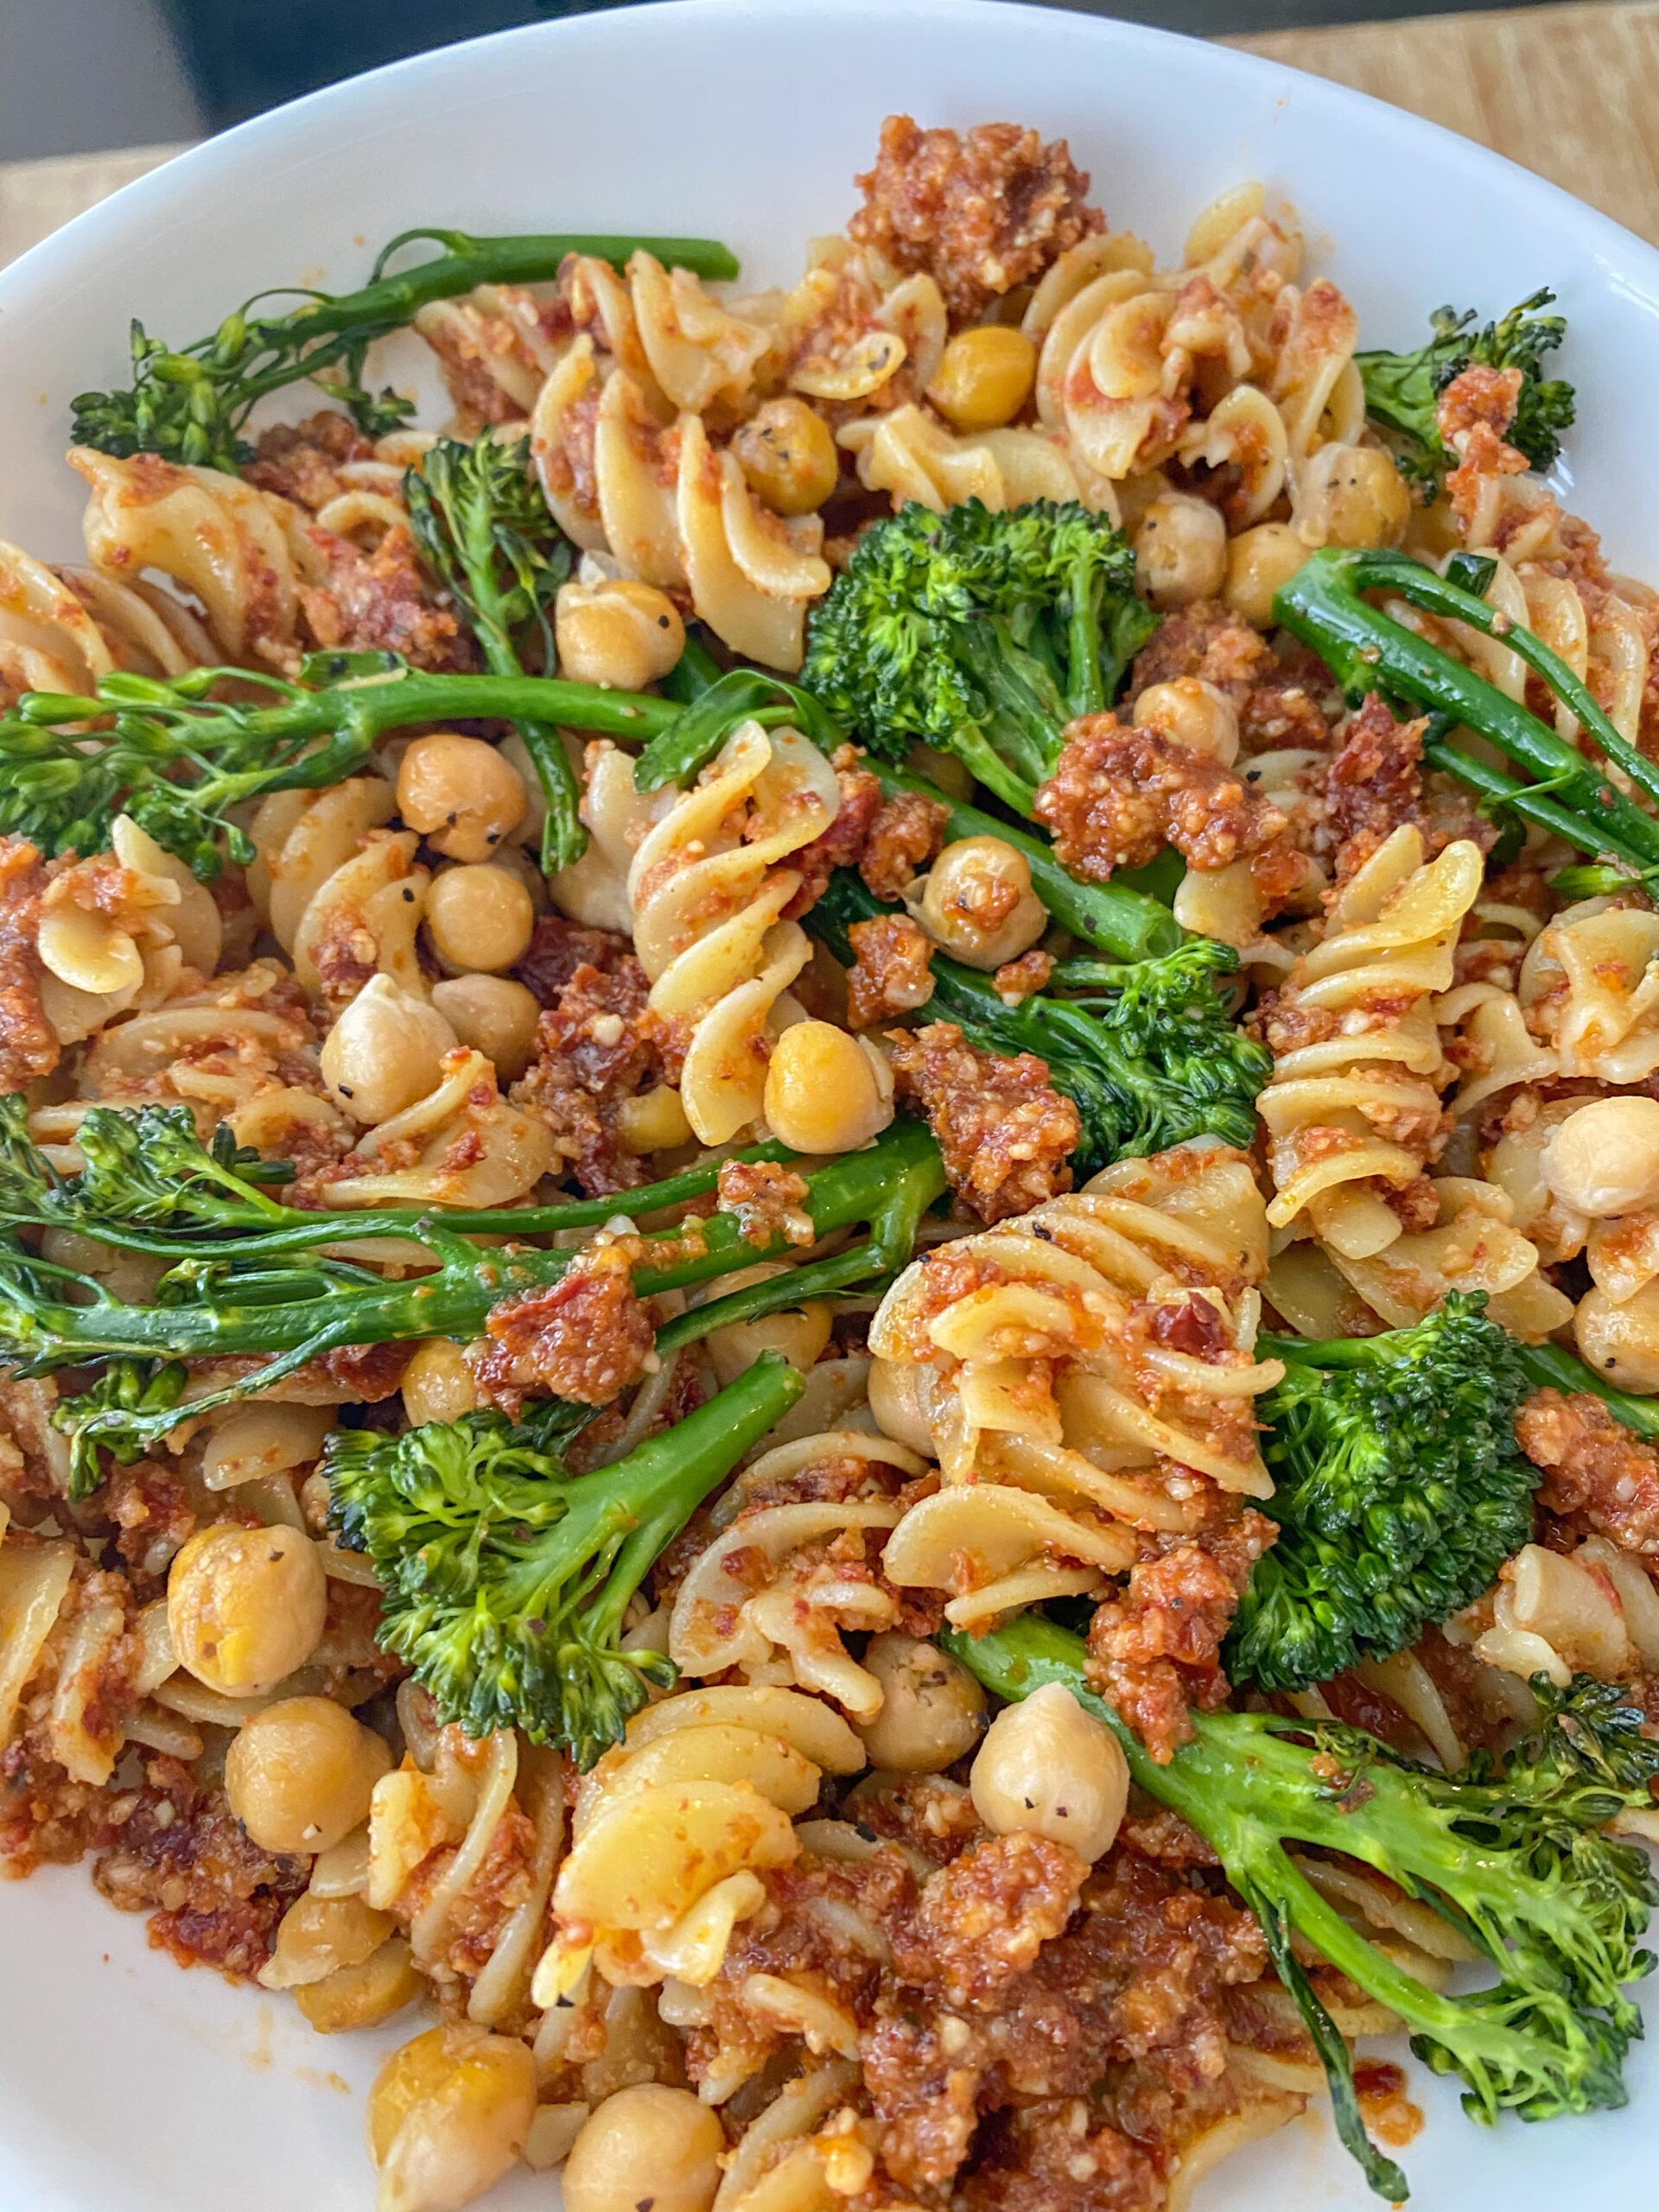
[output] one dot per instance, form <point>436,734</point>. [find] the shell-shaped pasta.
<point>362,920</point>
<point>506,1153</point>
<point>1474,1245</point>
<point>224,542</point>
<point>1247,430</point>
<point>1047,1391</point>
<point>1358,1106</point>
<point>773,1594</point>
<point>706,891</point>
<point>751,573</point>
<point>1589,987</point>
<point>912,457</point>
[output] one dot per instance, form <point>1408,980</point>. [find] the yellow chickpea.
<point>984,377</point>
<point>246,1606</point>
<point>438,1384</point>
<point>494,1016</point>
<point>1195,713</point>
<point>645,2144</point>
<point>978,902</point>
<point>826,1092</point>
<point>1621,1341</point>
<point>655,1122</point>
<point>932,1709</point>
<point>1180,550</point>
<point>788,456</point>
<point>460,794</point>
<point>1352,495</point>
<point>616,632</point>
<point>1049,1767</point>
<point>447,2116</point>
<point>362,1996</point>
<point>299,1775</point>
<point>478,919</point>
<point>1603,1159</point>
<point>1258,562</point>
<point>383,1052</point>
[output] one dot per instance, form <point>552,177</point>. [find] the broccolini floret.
<point>1146,1051</point>
<point>505,1577</point>
<point>1511,1851</point>
<point>980,634</point>
<point>1404,389</point>
<point>1400,1491</point>
<point>191,406</point>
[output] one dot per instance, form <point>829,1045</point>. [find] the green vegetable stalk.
<point>178,760</point>
<point>1511,1851</point>
<point>485,531</point>
<point>1367,651</point>
<point>191,406</point>
<point>505,1578</point>
<point>274,1294</point>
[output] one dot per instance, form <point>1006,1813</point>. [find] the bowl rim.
<point>163,195</point>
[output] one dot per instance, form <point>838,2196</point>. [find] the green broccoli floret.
<point>1402,390</point>
<point>1511,1851</point>
<point>1146,1051</point>
<point>980,634</point>
<point>192,405</point>
<point>1400,1491</point>
<point>505,1577</point>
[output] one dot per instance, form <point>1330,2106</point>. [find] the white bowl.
<point>129,2086</point>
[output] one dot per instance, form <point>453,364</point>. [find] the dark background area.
<point>80,76</point>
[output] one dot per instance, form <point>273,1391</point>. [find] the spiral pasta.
<point>771,1595</point>
<point>1589,989</point>
<point>909,454</point>
<point>708,890</point>
<point>672,1829</point>
<point>1354,1101</point>
<point>1041,1359</point>
<point>61,629</point>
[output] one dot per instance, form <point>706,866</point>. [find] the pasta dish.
<point>827,1173</point>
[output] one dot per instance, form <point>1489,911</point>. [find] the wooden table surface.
<point>1565,90</point>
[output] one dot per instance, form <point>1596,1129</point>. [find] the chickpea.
<point>1352,495</point>
<point>1258,562</point>
<point>1047,1766</point>
<point>931,1707</point>
<point>1622,1342</point>
<point>826,1092</point>
<point>984,377</point>
<point>647,2144</point>
<point>1603,1159</point>
<point>438,1384</point>
<point>362,1996</point>
<point>1194,713</point>
<point>300,1775</point>
<point>478,919</point>
<point>800,1333</point>
<point>246,1606</point>
<point>1180,550</point>
<point>318,1935</point>
<point>460,794</point>
<point>978,902</point>
<point>655,1122</point>
<point>494,1016</point>
<point>382,1053</point>
<point>788,456</point>
<point>616,632</point>
<point>447,2116</point>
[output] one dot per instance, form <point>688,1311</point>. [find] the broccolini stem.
<point>701,727</point>
<point>1368,651</point>
<point>1553,1369</point>
<point>662,1482</point>
<point>1125,923</point>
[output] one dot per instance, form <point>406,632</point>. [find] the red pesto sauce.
<point>1388,2112</point>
